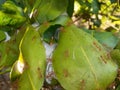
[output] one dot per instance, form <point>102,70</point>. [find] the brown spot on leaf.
<point>108,56</point>
<point>26,65</point>
<point>70,22</point>
<point>38,68</point>
<point>46,23</point>
<point>97,46</point>
<point>65,73</point>
<point>62,29</point>
<point>103,59</point>
<point>66,53</point>
<point>82,84</point>
<point>33,38</point>
<point>39,73</point>
<point>7,50</point>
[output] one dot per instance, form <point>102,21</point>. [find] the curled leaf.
<point>33,56</point>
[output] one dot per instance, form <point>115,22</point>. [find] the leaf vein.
<point>92,68</point>
<point>30,79</point>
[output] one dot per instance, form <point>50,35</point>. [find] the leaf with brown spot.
<point>65,73</point>
<point>39,72</point>
<point>62,29</point>
<point>66,53</point>
<point>103,59</point>
<point>97,46</point>
<point>10,49</point>
<point>82,84</point>
<point>35,61</point>
<point>87,61</point>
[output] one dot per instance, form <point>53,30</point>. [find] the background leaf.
<point>107,39</point>
<point>2,36</point>
<point>2,1</point>
<point>70,8</point>
<point>50,30</point>
<point>49,10</point>
<point>118,88</point>
<point>10,50</point>
<point>11,15</point>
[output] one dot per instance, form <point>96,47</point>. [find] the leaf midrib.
<point>30,79</point>
<point>91,66</point>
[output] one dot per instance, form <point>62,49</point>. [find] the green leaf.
<point>20,3</point>
<point>3,54</point>
<point>49,10</point>
<point>118,88</point>
<point>11,8</point>
<point>62,20</point>
<point>10,50</point>
<point>1,2</point>
<point>95,6</point>
<point>32,53</point>
<point>11,15</point>
<point>11,20</point>
<point>49,34</point>
<point>50,30</point>
<point>107,39</point>
<point>70,8</point>
<point>115,54</point>
<point>81,63</point>
<point>118,45</point>
<point>2,35</point>
<point>16,71</point>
